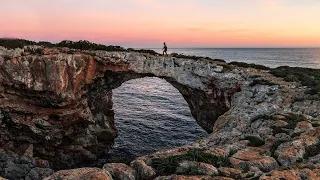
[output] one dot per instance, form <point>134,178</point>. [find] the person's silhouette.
<point>165,48</point>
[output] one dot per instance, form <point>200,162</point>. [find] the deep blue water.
<point>151,114</point>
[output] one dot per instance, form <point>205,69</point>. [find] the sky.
<point>179,23</point>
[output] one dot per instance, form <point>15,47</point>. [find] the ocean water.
<point>151,114</point>
<point>271,57</point>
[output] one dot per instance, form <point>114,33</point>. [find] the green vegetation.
<point>15,43</point>
<point>168,165</point>
<point>45,44</point>
<point>315,124</point>
<point>293,119</point>
<point>278,130</point>
<point>232,152</point>
<point>82,45</point>
<point>246,65</point>
<point>261,82</point>
<point>86,45</point>
<point>194,57</point>
<point>299,160</point>
<point>254,141</point>
<point>143,51</point>
<point>227,68</point>
<point>264,117</point>
<point>306,76</point>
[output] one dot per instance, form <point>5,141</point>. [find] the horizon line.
<point>177,47</point>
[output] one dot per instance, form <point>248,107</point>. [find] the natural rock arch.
<point>60,103</point>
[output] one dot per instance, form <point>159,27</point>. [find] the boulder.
<point>255,157</point>
<point>230,172</point>
<point>303,126</point>
<point>293,151</point>
<point>196,168</point>
<point>120,171</point>
<point>81,174</point>
<point>293,174</point>
<point>15,171</point>
<point>143,171</point>
<point>315,159</point>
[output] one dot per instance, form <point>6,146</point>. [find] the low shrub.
<point>185,56</point>
<point>264,117</point>
<point>261,82</point>
<point>254,141</point>
<point>232,152</point>
<point>11,43</point>
<point>306,76</point>
<point>195,57</point>
<point>168,165</point>
<point>246,65</point>
<point>149,51</point>
<point>293,119</point>
<point>278,130</point>
<point>226,68</point>
<point>316,124</point>
<point>82,44</point>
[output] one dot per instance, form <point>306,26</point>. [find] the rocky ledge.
<point>56,111</point>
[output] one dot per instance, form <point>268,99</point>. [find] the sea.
<point>151,115</point>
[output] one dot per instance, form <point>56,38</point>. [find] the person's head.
<point>164,43</point>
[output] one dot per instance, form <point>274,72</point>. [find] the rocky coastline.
<point>56,113</point>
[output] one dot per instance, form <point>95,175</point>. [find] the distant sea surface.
<point>271,57</point>
<point>151,114</point>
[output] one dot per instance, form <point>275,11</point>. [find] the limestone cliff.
<point>56,105</point>
<point>60,100</point>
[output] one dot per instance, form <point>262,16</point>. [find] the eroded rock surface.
<point>60,101</point>
<point>56,107</point>
<point>81,174</point>
<point>21,167</point>
<point>120,171</point>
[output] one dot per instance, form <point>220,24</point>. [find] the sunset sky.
<point>181,23</point>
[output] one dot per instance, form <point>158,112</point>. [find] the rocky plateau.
<point>56,116</point>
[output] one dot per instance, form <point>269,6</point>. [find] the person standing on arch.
<point>165,48</point>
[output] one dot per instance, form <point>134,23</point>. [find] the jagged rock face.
<point>60,100</point>
<point>264,135</point>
